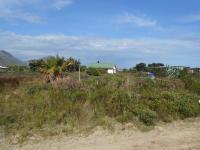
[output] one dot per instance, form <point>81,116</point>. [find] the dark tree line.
<point>158,69</point>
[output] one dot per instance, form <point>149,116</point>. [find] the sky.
<point>124,32</point>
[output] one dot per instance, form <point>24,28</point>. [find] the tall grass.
<point>33,104</point>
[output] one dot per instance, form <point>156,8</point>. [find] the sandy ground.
<point>181,135</point>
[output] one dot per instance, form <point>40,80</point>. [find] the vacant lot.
<point>32,110</point>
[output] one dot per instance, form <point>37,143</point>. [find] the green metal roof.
<point>101,65</point>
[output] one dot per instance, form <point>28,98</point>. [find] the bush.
<point>78,96</point>
<point>119,104</point>
<point>192,83</point>
<point>159,72</point>
<point>99,98</point>
<point>126,117</point>
<point>170,84</point>
<point>166,109</point>
<point>93,72</point>
<point>35,89</point>
<point>188,108</point>
<point>83,68</point>
<point>145,84</point>
<point>146,115</point>
<point>67,83</point>
<point>20,69</point>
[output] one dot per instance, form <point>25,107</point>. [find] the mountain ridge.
<point>7,59</point>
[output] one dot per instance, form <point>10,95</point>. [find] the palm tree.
<point>53,68</point>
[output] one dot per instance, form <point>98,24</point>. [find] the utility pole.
<point>79,71</point>
<point>74,64</point>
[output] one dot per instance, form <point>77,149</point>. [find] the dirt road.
<point>181,135</point>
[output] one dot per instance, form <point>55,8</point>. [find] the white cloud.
<point>49,44</point>
<point>191,18</point>
<point>20,10</point>
<point>12,10</point>
<point>60,4</point>
<point>89,49</point>
<point>10,15</point>
<point>136,20</point>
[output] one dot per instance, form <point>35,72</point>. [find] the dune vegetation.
<point>52,100</point>
<point>28,104</point>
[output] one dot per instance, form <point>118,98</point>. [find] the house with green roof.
<point>110,67</point>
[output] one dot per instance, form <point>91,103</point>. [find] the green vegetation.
<point>192,81</point>
<point>27,103</point>
<point>93,72</point>
<point>19,69</point>
<point>66,65</point>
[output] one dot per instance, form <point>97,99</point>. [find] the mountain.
<point>6,59</point>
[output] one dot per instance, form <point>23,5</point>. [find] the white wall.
<point>112,71</point>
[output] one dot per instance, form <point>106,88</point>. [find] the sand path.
<point>180,135</point>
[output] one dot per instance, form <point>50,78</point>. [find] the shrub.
<point>98,99</point>
<point>126,117</point>
<point>192,83</point>
<point>188,108</point>
<point>78,96</point>
<point>170,83</point>
<point>119,104</point>
<point>66,83</point>
<point>145,115</point>
<point>159,72</point>
<point>145,84</point>
<point>93,72</point>
<point>83,68</point>
<point>166,109</point>
<point>35,89</point>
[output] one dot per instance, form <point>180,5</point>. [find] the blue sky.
<point>125,32</point>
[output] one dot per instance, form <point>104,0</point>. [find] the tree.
<point>52,68</point>
<point>83,68</point>
<point>71,65</point>
<point>35,65</point>
<point>156,65</point>
<point>158,69</point>
<point>141,67</point>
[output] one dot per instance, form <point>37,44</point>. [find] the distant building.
<point>193,70</point>
<point>2,68</point>
<point>110,68</point>
<point>177,67</point>
<point>174,71</point>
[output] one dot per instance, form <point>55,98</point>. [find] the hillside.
<point>7,59</point>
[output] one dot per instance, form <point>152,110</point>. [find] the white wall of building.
<point>112,70</point>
